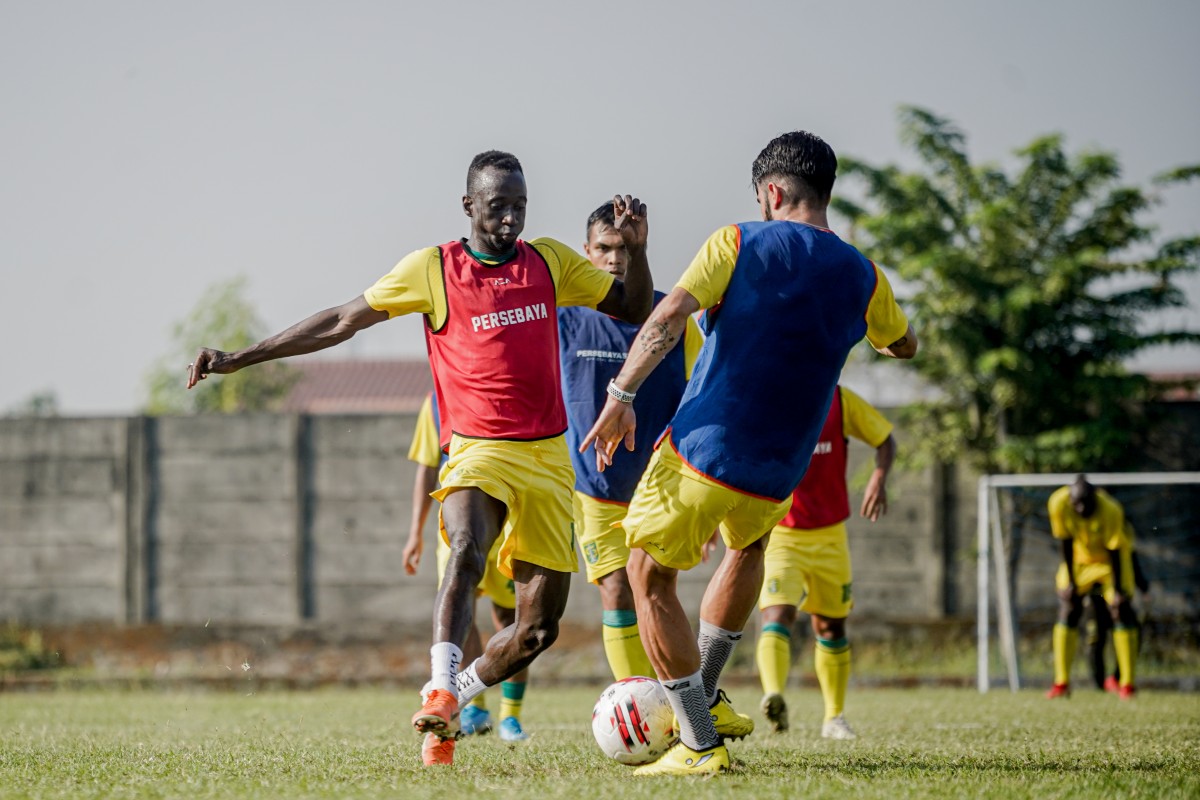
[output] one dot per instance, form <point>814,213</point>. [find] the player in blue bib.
<point>593,346</point>
<point>786,300</point>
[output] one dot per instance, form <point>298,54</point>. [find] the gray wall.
<point>280,519</point>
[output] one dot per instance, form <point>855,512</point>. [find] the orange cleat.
<point>1059,690</point>
<point>438,713</point>
<point>1111,684</point>
<point>1126,692</point>
<point>435,750</point>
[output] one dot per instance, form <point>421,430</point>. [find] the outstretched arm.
<point>323,329</point>
<point>661,332</point>
<point>631,299</point>
<point>874,504</point>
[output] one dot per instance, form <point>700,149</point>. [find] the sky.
<point>149,150</point>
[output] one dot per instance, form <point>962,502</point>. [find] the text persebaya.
<point>509,316</point>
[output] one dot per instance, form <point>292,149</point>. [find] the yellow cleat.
<point>683,760</point>
<point>728,722</point>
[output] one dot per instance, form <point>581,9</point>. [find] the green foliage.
<point>223,319</point>
<point>38,404</point>
<point>22,649</point>
<point>1030,288</point>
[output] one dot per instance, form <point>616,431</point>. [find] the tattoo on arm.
<point>656,338</point>
<point>903,340</point>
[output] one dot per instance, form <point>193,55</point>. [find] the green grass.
<point>348,743</point>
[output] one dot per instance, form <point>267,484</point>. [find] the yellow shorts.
<point>496,587</point>
<point>675,510</point>
<point>535,481</point>
<point>1099,574</point>
<point>810,569</point>
<point>601,538</point>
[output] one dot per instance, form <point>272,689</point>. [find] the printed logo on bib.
<point>509,316</point>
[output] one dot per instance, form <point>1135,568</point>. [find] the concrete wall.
<point>283,519</point>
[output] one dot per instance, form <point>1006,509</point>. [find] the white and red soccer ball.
<point>633,722</point>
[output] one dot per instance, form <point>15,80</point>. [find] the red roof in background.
<point>1186,385</point>
<point>359,387</point>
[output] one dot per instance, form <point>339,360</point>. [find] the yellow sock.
<point>1125,642</point>
<point>480,701</point>
<point>512,696</point>
<point>832,662</point>
<point>1066,642</point>
<point>774,655</point>
<point>623,646</point>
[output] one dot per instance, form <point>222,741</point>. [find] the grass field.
<point>349,743</point>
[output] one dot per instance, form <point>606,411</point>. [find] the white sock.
<point>469,684</point>
<point>716,646</point>
<point>445,658</point>
<point>691,709</point>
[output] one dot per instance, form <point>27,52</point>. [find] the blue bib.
<point>592,349</point>
<point>761,388</point>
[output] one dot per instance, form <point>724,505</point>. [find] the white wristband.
<point>619,393</point>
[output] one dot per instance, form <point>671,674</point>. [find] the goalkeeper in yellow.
<point>1096,550</point>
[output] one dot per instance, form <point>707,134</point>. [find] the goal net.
<point>1018,556</point>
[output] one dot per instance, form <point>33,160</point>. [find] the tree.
<point>1031,290</point>
<point>223,318</point>
<point>39,404</point>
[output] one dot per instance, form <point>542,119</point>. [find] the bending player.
<point>1096,549</point>
<point>493,349</point>
<point>808,562</point>
<point>785,291</point>
<point>593,347</point>
<point>474,718</point>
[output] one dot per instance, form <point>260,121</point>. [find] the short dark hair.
<point>602,214</point>
<point>496,159</point>
<point>800,159</point>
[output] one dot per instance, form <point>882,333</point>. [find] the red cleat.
<point>437,751</point>
<point>1111,684</point>
<point>1126,692</point>
<point>1059,690</point>
<point>437,714</point>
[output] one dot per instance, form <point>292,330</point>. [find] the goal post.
<point>993,562</point>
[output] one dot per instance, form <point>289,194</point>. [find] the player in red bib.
<point>807,563</point>
<point>491,330</point>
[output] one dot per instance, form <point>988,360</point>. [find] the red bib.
<point>495,359</point>
<point>821,498</point>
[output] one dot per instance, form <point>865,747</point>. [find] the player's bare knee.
<point>829,628</point>
<point>615,591</point>
<point>466,556</point>
<point>1070,612</point>
<point>537,636</point>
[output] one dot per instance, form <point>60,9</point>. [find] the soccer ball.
<point>633,722</point>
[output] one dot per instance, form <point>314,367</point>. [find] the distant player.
<point>787,300</point>
<point>474,718</point>
<point>488,302</point>
<point>593,347</point>
<point>808,562</point>
<point>1096,550</point>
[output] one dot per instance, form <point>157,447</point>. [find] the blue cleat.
<point>474,720</point>
<point>510,730</point>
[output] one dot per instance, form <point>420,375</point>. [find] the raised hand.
<point>630,220</point>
